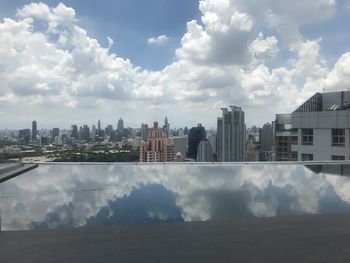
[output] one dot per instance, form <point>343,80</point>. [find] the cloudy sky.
<point>65,62</point>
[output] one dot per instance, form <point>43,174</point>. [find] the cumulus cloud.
<point>159,40</point>
<point>228,57</point>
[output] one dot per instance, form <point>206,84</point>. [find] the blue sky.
<point>129,23</point>
<point>184,59</point>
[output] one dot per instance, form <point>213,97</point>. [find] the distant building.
<point>196,135</point>
<point>205,152</point>
<point>266,138</point>
<point>185,130</point>
<point>74,132</point>
<point>99,128</point>
<point>180,144</point>
<point>84,133</point>
<point>285,137</point>
<point>55,133</point>
<point>166,126</point>
<point>120,130</point>
<point>158,147</point>
<point>212,142</point>
<point>322,126</point>
<point>231,135</point>
<point>34,131</point>
<point>251,149</point>
<point>144,131</point>
<point>24,135</point>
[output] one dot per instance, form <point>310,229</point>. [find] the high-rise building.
<point>120,125</point>
<point>284,137</point>
<point>158,147</point>
<point>166,126</point>
<point>34,131</point>
<point>120,130</point>
<point>205,152</point>
<point>266,138</point>
<point>180,144</point>
<point>322,125</point>
<point>144,131</point>
<point>74,133</point>
<point>24,135</point>
<point>196,135</point>
<point>231,135</point>
<point>55,133</point>
<point>99,128</point>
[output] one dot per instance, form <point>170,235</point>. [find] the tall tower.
<point>34,131</point>
<point>196,135</point>
<point>231,135</point>
<point>120,125</point>
<point>166,126</point>
<point>99,127</point>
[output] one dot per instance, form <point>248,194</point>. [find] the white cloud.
<point>159,40</point>
<point>226,58</point>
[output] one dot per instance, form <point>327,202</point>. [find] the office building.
<point>166,126</point>
<point>252,154</point>
<point>196,134</point>
<point>55,133</point>
<point>180,144</point>
<point>284,137</point>
<point>204,152</point>
<point>24,135</point>
<point>231,132</point>
<point>266,138</point>
<point>322,124</point>
<point>74,132</point>
<point>144,131</point>
<point>158,147</point>
<point>34,131</point>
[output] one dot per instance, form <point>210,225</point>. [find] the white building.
<point>323,124</point>
<point>204,152</point>
<point>231,132</point>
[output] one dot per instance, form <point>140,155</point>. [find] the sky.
<point>74,62</point>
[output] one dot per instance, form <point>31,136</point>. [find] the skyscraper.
<point>144,131</point>
<point>99,128</point>
<point>166,126</point>
<point>55,133</point>
<point>266,138</point>
<point>205,152</point>
<point>196,135</point>
<point>34,131</point>
<point>158,147</point>
<point>74,133</point>
<point>120,125</point>
<point>231,135</point>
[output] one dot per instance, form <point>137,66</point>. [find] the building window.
<point>307,157</point>
<point>307,136</point>
<point>337,158</point>
<point>338,137</point>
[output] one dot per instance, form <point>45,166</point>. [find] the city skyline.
<point>70,63</point>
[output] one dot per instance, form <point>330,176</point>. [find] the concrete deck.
<point>15,170</point>
<point>321,238</point>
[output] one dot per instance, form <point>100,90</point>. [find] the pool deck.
<point>317,238</point>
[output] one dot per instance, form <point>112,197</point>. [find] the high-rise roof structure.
<point>322,125</point>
